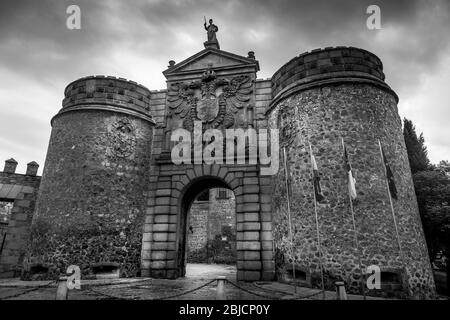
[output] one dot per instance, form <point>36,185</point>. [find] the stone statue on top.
<point>211,32</point>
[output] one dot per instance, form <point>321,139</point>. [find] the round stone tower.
<point>91,202</point>
<point>321,98</point>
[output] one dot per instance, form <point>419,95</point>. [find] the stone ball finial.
<point>171,63</point>
<point>251,55</point>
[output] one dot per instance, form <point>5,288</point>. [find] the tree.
<point>415,146</point>
<point>433,197</point>
<point>444,166</point>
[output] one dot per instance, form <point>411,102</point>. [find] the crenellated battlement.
<point>18,193</point>
<point>11,165</point>
<point>107,91</point>
<point>329,63</point>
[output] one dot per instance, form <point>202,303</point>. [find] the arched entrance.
<point>200,186</point>
<point>172,193</point>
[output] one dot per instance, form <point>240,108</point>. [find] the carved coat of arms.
<point>122,138</point>
<point>210,100</point>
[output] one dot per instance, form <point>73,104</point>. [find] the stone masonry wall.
<point>329,61</point>
<point>361,113</point>
<point>3,228</point>
<point>222,231</point>
<point>213,235</point>
<point>197,233</point>
<point>319,98</point>
<point>263,97</point>
<point>92,198</point>
<point>21,190</point>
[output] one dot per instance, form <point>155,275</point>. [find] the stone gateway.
<point>111,197</point>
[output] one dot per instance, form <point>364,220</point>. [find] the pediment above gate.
<point>222,62</point>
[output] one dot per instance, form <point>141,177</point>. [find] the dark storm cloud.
<point>151,28</point>
<point>414,38</point>
<point>34,38</point>
<point>135,40</point>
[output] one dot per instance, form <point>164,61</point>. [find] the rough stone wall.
<point>198,225</point>
<point>21,190</point>
<point>221,212</point>
<point>3,228</point>
<point>212,238</point>
<point>222,228</point>
<point>93,194</point>
<point>361,113</point>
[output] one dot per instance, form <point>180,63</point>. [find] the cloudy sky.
<point>135,39</point>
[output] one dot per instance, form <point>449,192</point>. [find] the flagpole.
<point>356,234</point>
<point>317,225</point>
<point>289,218</point>
<point>392,206</point>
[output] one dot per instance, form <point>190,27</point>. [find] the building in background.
<point>212,228</point>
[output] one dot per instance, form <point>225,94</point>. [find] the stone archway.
<point>191,191</point>
<point>163,247</point>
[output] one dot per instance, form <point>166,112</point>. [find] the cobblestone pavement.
<point>149,289</point>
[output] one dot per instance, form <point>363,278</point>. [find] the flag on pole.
<point>316,180</point>
<point>351,180</point>
<point>389,175</point>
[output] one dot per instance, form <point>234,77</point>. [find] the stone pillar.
<point>248,227</point>
<point>32,168</point>
<point>91,201</point>
<point>10,166</point>
<point>319,98</point>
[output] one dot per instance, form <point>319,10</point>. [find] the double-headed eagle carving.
<point>210,100</point>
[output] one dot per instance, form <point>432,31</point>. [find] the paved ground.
<point>197,275</point>
<point>210,271</point>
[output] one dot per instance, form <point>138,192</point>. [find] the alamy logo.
<point>374,20</point>
<point>74,279</point>
<point>374,280</point>
<point>235,142</point>
<point>73,21</point>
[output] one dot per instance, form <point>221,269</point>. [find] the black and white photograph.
<point>227,159</point>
